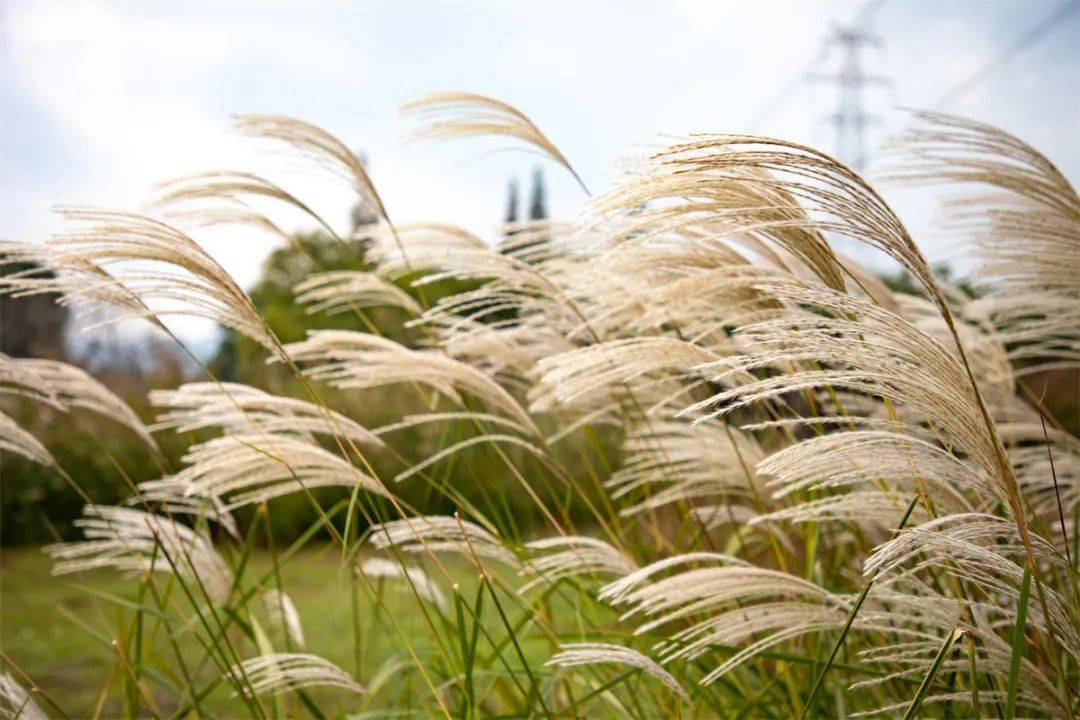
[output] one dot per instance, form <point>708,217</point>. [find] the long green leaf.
<point>850,619</point>
<point>920,694</point>
<point>1018,646</point>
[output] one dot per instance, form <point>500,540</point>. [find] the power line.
<point>850,119</point>
<point>786,91</point>
<point>1035,33</point>
<point>781,97</point>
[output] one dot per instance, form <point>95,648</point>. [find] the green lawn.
<point>58,633</point>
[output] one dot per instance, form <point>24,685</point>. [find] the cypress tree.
<point>538,201</point>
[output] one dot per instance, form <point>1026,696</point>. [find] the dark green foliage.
<point>538,202</point>
<point>34,325</point>
<point>239,359</point>
<point>104,458</point>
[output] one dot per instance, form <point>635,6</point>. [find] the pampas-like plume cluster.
<point>246,469</point>
<point>173,496</point>
<point>860,348</point>
<point>424,586</point>
<point>243,409</point>
<point>73,387</point>
<point>573,556</point>
<point>457,115</point>
<point>1023,221</point>
<point>158,271</point>
<point>283,616</point>
<point>135,541</point>
<point>353,360</point>
<point>801,492</point>
<point>318,145</point>
<point>574,654</point>
<point>16,440</point>
<point>63,386</point>
<point>666,461</point>
<point>15,702</point>
<point>435,533</point>
<point>284,672</point>
<point>336,292</point>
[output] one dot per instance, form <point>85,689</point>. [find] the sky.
<point>100,101</point>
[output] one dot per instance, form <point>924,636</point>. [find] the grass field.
<point>57,630</point>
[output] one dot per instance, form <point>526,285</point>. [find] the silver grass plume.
<point>427,246</point>
<point>830,198</point>
<point>1023,217</point>
<point>712,188</point>
<point>984,551</point>
<point>79,283</point>
<point>441,251</point>
<point>193,283</point>
<point>921,618</point>
<point>865,349</point>
<point>691,292</point>
<point>15,701</point>
<point>16,440</point>
<point>229,186</point>
<point>244,409</point>
<point>135,541</point>
<point>316,144</point>
<point>73,387</point>
<point>175,497</point>
<point>341,291</point>
<point>690,591</point>
<point>576,654</point>
<point>719,596</point>
<point>456,115</point>
<point>230,214</point>
<point>285,672</point>
<point>425,587</point>
<point>742,518</point>
<point>667,461</point>
<point>1048,471</point>
<point>246,469</point>
<point>792,195</point>
<point>540,324</point>
<point>986,349</point>
<point>534,292</point>
<point>879,470</point>
<point>617,591</point>
<point>573,556</point>
<point>354,360</point>
<point>440,533</point>
<point>600,369</point>
<point>533,241</point>
<point>283,615</point>
<point>18,378</point>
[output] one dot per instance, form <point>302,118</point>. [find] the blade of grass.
<point>466,656</point>
<point>621,677</point>
<point>851,619</point>
<point>1018,646</point>
<point>920,694</point>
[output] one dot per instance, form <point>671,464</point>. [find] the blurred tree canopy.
<point>36,505</point>
<point>239,359</point>
<point>34,325</point>
<point>104,458</point>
